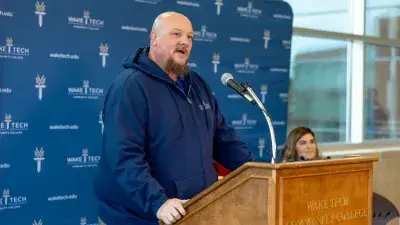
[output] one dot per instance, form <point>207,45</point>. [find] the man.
<point>162,132</point>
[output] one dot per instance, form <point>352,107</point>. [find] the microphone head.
<point>225,78</point>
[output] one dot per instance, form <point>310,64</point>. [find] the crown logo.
<point>6,193</point>
<point>86,13</point>
<point>83,221</point>
<point>7,117</point>
<point>40,7</point>
<point>85,152</point>
<point>103,48</point>
<point>40,80</point>
<point>261,141</point>
<point>203,27</point>
<point>244,116</point>
<point>216,56</point>
<point>267,33</point>
<point>9,41</point>
<point>264,88</point>
<point>39,153</point>
<point>250,4</point>
<point>219,1</point>
<point>37,223</point>
<point>86,83</point>
<point>247,60</point>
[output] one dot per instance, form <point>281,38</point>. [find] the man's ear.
<point>153,38</point>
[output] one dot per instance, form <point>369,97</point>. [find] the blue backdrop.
<point>57,60</point>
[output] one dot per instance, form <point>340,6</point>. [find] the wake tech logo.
<point>85,92</point>
<point>11,127</point>
<point>246,67</point>
<point>10,51</point>
<point>9,202</point>
<point>85,22</point>
<point>245,123</point>
<point>249,11</point>
<point>84,161</point>
<point>204,35</point>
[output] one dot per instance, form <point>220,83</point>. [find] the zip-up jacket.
<point>159,142</point>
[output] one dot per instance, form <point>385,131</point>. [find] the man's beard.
<point>175,68</point>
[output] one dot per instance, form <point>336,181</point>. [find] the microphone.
<point>247,92</point>
<point>227,80</point>
<point>303,159</point>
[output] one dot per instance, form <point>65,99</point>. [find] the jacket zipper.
<point>194,122</point>
<point>186,96</point>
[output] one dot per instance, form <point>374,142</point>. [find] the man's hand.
<point>171,211</point>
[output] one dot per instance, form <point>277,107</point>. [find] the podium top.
<point>311,163</point>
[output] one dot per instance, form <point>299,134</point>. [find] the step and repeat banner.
<point>58,58</point>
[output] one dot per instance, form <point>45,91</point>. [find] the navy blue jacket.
<point>159,142</point>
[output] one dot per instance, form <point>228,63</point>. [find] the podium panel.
<point>336,194</point>
<point>234,199</point>
<point>299,193</point>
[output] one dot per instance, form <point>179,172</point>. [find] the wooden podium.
<point>335,191</point>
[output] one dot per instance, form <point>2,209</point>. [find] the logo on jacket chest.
<point>204,105</point>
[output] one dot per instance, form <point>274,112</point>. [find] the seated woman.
<point>300,145</point>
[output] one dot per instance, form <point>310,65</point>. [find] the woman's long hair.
<point>289,151</point>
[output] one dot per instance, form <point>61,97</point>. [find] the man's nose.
<point>184,40</point>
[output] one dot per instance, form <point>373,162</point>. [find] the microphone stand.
<point>248,88</point>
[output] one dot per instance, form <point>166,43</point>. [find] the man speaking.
<point>162,132</point>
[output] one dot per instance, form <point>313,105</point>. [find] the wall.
<point>57,60</point>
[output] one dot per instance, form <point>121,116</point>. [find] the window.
<point>321,15</point>
<point>318,86</point>
<point>383,18</point>
<point>330,78</point>
<point>382,83</point>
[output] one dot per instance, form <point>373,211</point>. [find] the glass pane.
<point>383,18</point>
<point>321,15</point>
<point>381,93</point>
<point>318,87</point>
